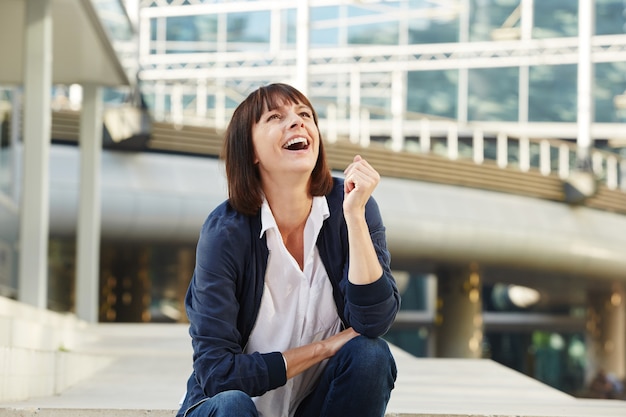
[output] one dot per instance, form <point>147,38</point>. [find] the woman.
<point>292,287</point>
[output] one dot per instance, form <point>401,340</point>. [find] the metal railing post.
<point>502,150</point>
<point>425,135</point>
<point>524,154</point>
<point>544,158</point>
<point>453,141</point>
<point>478,142</point>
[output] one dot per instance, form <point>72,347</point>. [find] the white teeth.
<point>294,141</point>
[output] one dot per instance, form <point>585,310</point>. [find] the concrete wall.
<point>38,355</point>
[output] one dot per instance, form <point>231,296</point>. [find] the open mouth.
<point>296,144</point>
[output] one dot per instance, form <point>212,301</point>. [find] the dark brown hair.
<point>242,174</point>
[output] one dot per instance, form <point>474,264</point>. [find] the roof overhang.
<point>82,52</point>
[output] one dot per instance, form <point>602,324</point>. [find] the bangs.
<point>273,96</point>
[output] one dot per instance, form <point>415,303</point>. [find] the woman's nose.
<point>295,121</point>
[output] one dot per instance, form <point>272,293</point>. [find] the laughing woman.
<point>292,288</point>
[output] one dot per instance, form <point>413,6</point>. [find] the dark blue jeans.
<point>357,381</point>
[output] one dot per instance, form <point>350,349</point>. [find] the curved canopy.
<point>81,50</point>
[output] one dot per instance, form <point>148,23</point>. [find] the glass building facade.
<point>439,82</point>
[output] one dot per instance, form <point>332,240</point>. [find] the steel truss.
<point>381,59</point>
<point>379,71</point>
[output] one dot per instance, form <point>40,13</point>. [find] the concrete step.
<point>152,362</point>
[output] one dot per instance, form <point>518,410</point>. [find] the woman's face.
<point>286,141</point>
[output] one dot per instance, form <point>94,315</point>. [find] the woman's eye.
<point>305,114</point>
<point>273,116</point>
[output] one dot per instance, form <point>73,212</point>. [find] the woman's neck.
<point>291,208</point>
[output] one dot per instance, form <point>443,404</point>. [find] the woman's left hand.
<point>360,181</point>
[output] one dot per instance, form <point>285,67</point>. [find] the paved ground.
<point>153,362</point>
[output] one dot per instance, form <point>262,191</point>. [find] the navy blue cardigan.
<point>225,292</point>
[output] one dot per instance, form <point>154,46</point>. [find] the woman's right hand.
<point>302,358</point>
<point>336,342</point>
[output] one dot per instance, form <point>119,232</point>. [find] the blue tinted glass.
<point>251,27</point>
<point>432,92</point>
<point>555,18</point>
<point>188,34</point>
<point>356,11</point>
<point>610,82</point>
<point>369,31</point>
<point>552,93</point>
<point>180,28</point>
<point>288,20</point>
<point>487,15</point>
<point>325,26</point>
<point>386,33</point>
<point>153,29</point>
<point>318,14</point>
<point>610,17</point>
<point>493,94</point>
<point>434,30</point>
<point>325,37</point>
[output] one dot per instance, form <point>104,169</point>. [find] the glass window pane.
<point>438,24</point>
<point>153,29</point>
<point>610,17</point>
<point>493,94</point>
<point>366,31</point>
<point>288,31</point>
<point>248,30</point>
<point>487,15</point>
<point>325,22</point>
<point>385,33</point>
<point>187,34</point>
<point>610,82</point>
<point>555,18</point>
<point>180,28</point>
<point>552,93</point>
<point>432,92</point>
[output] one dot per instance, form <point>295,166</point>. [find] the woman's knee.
<point>237,401</point>
<point>226,404</point>
<point>372,355</point>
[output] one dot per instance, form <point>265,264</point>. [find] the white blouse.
<point>297,308</point>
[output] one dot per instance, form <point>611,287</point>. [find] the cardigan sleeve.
<point>213,308</point>
<point>371,309</point>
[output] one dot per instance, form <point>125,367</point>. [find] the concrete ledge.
<point>37,352</point>
<point>28,327</point>
<point>86,412</point>
<point>82,412</point>
<point>64,412</point>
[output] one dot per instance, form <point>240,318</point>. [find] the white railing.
<point>509,145</point>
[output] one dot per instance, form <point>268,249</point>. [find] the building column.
<point>302,47</point>
<point>463,82</point>
<point>606,340</point>
<point>458,319</point>
<point>586,28</point>
<point>35,215</point>
<point>526,35</point>
<point>89,207</point>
